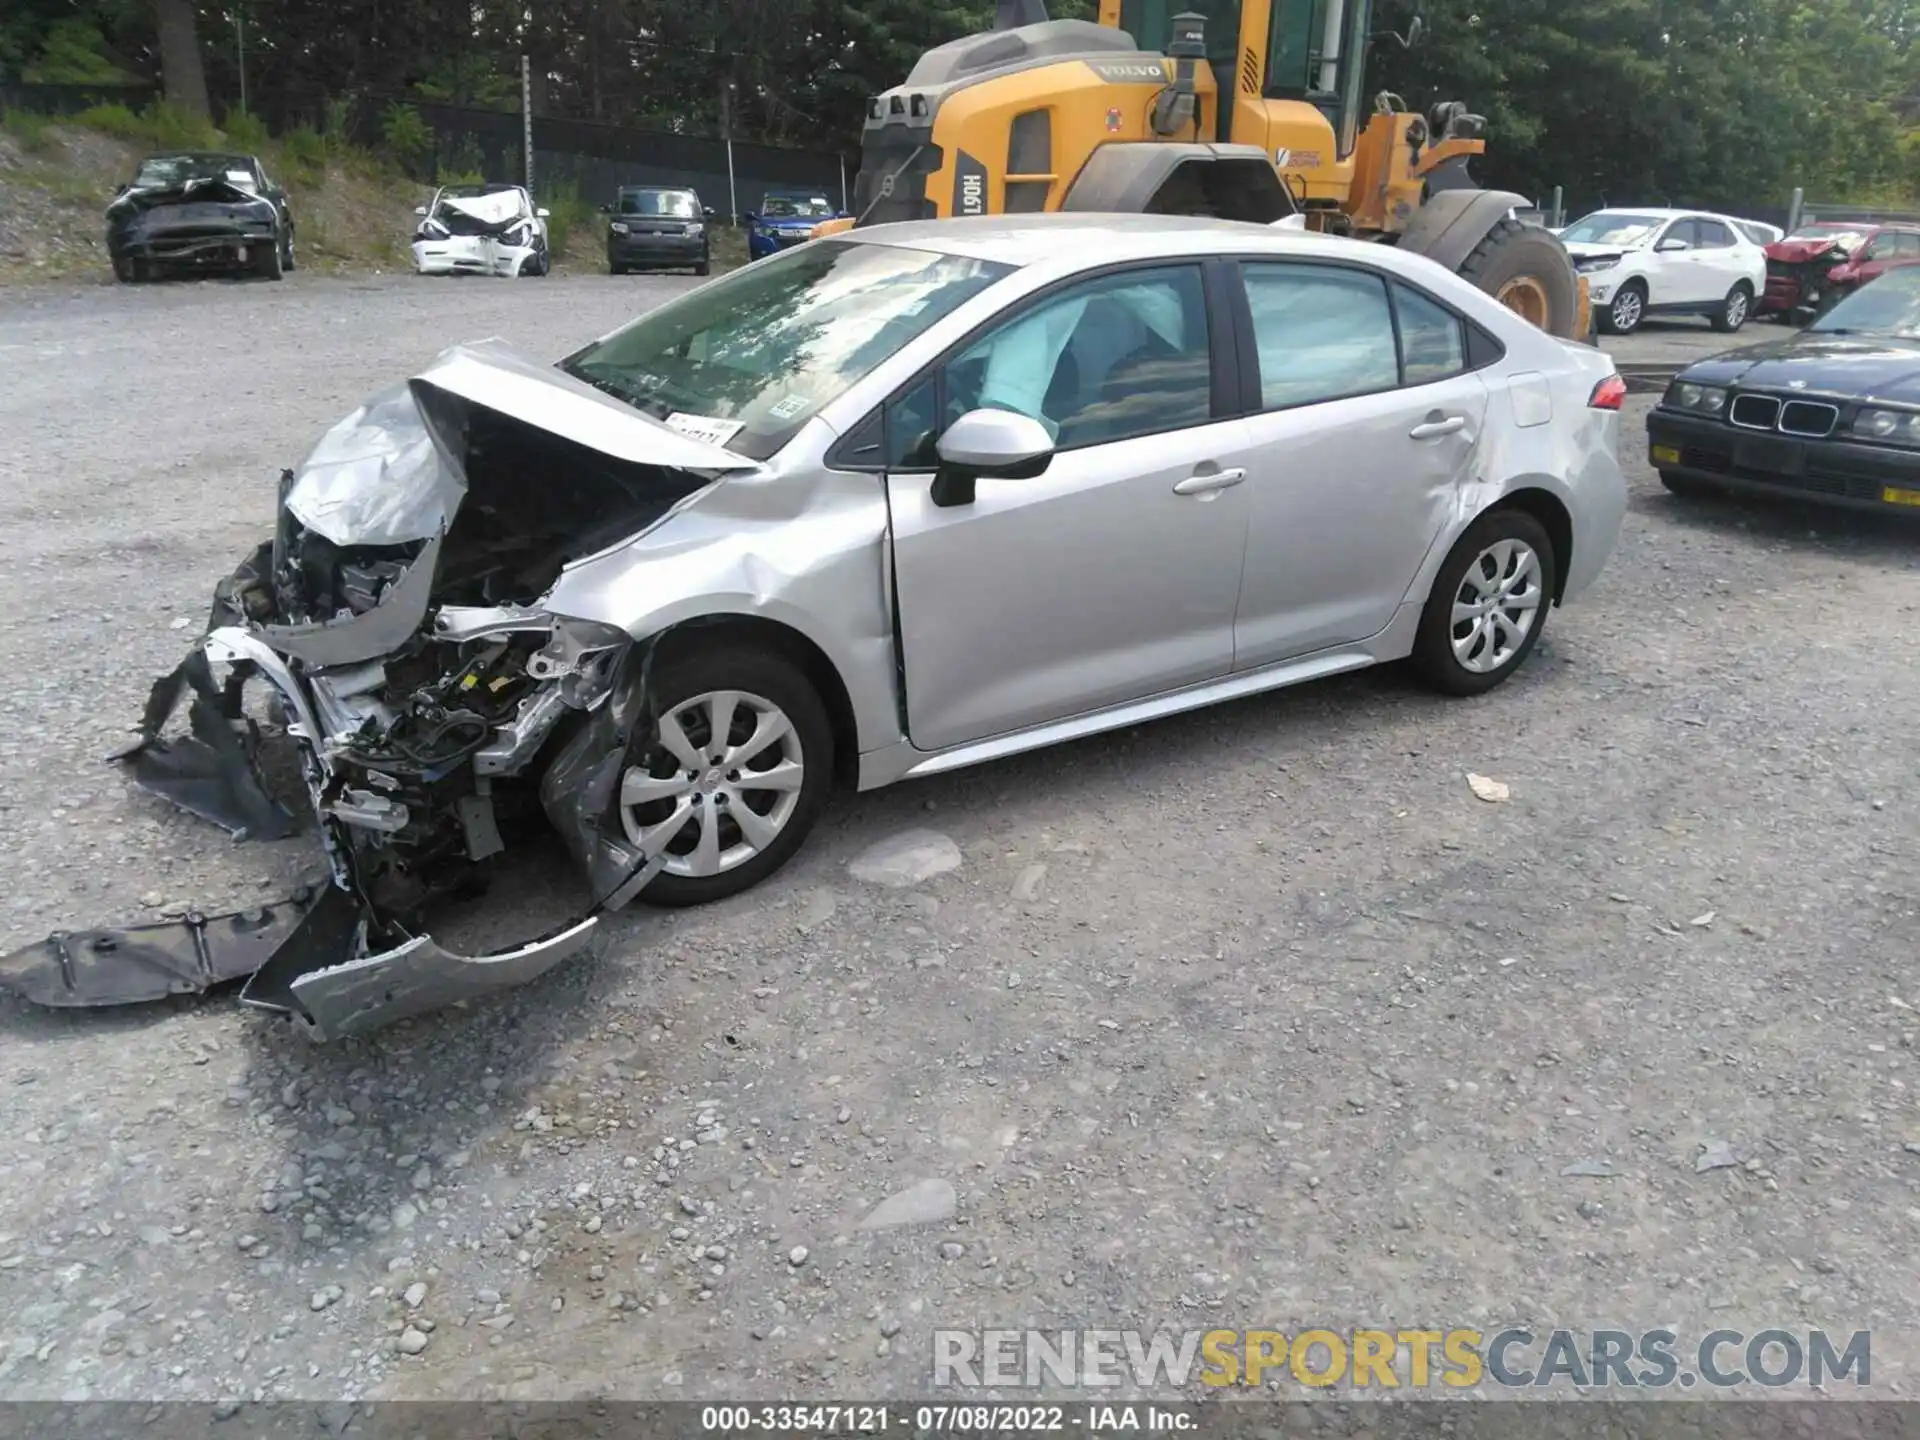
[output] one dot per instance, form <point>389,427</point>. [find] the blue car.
<point>786,218</point>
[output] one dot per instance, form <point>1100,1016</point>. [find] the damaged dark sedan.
<point>198,212</point>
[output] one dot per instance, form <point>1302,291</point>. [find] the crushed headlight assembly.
<point>619,227</point>
<point>696,229</point>
<point>1698,399</point>
<point>1888,427</point>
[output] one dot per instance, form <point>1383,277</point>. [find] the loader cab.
<point>1276,59</point>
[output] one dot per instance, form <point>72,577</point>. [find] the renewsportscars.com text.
<point>1363,1359</point>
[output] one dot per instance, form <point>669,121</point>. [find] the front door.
<point>1114,575</point>
<point>1358,459</point>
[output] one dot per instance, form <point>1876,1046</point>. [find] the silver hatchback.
<point>898,501</point>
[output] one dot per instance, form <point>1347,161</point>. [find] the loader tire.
<point>1528,270</point>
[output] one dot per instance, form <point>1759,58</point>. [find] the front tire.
<point>1736,310</point>
<point>1488,605</point>
<point>1628,310</point>
<point>268,265</point>
<point>286,252</point>
<point>731,775</point>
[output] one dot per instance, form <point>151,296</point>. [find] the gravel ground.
<point>1256,1017</point>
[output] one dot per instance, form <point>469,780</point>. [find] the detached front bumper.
<point>762,243</point>
<point>470,255</point>
<point>1833,472</point>
<point>224,250</point>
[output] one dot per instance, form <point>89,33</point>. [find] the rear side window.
<point>1433,340</point>
<point>1321,333</point>
<point>1713,235</point>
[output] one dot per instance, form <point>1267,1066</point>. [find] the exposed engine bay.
<point>439,712</point>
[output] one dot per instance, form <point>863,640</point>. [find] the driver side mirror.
<point>1671,247</point>
<point>988,445</point>
<point>708,211</point>
<point>542,214</point>
<point>421,211</point>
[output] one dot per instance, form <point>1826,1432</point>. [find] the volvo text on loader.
<point>1245,109</point>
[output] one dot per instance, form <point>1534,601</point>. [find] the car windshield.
<point>1832,234</point>
<point>1887,307</point>
<point>784,207</point>
<point>159,171</point>
<point>676,204</point>
<point>1613,228</point>
<point>753,356</point>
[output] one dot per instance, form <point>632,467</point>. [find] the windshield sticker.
<point>789,407</point>
<point>704,427</point>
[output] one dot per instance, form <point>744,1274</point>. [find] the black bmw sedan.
<point>1829,413</point>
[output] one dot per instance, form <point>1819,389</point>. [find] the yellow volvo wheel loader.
<point>1245,109</point>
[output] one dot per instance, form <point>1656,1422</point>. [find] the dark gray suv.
<point>657,228</point>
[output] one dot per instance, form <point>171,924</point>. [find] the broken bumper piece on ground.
<point>436,705</point>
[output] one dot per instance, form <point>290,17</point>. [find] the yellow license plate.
<point>1900,497</point>
<point>1665,455</point>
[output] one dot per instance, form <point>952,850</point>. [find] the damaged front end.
<point>395,624</point>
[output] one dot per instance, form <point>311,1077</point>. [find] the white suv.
<point>1667,262</point>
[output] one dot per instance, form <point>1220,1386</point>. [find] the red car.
<point>1822,263</point>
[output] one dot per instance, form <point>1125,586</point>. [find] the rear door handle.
<point>1211,483</point>
<point>1434,429</point>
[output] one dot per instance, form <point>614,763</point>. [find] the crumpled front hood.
<point>209,191</point>
<point>1586,250</point>
<point>1860,365</point>
<point>387,474</point>
<point>1799,252</point>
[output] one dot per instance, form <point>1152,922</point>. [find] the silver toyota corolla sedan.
<point>895,502</point>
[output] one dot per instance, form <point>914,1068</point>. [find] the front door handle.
<point>1434,429</point>
<point>1210,483</point>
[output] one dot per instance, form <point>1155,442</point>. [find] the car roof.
<point>1021,240</point>
<point>656,190</point>
<point>805,191</point>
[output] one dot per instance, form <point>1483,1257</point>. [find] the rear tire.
<point>1488,605</point>
<point>705,267</point>
<point>268,264</point>
<point>124,270</point>
<point>1529,271</point>
<point>286,252</point>
<point>1736,310</point>
<point>760,679</point>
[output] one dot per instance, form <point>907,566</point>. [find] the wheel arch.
<point>1450,225</point>
<point>778,638</point>
<point>1554,517</point>
<point>1238,182</point>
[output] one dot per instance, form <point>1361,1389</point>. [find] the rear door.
<point>1721,260</point>
<point>1370,415</point>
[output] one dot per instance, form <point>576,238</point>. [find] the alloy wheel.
<point>1497,606</point>
<point>719,785</point>
<point>1736,309</point>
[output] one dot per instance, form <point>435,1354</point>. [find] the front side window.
<point>1107,359</point>
<point>1321,332</point>
<point>1882,248</point>
<point>756,354</point>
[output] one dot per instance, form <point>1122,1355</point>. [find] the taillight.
<point>1609,394</point>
